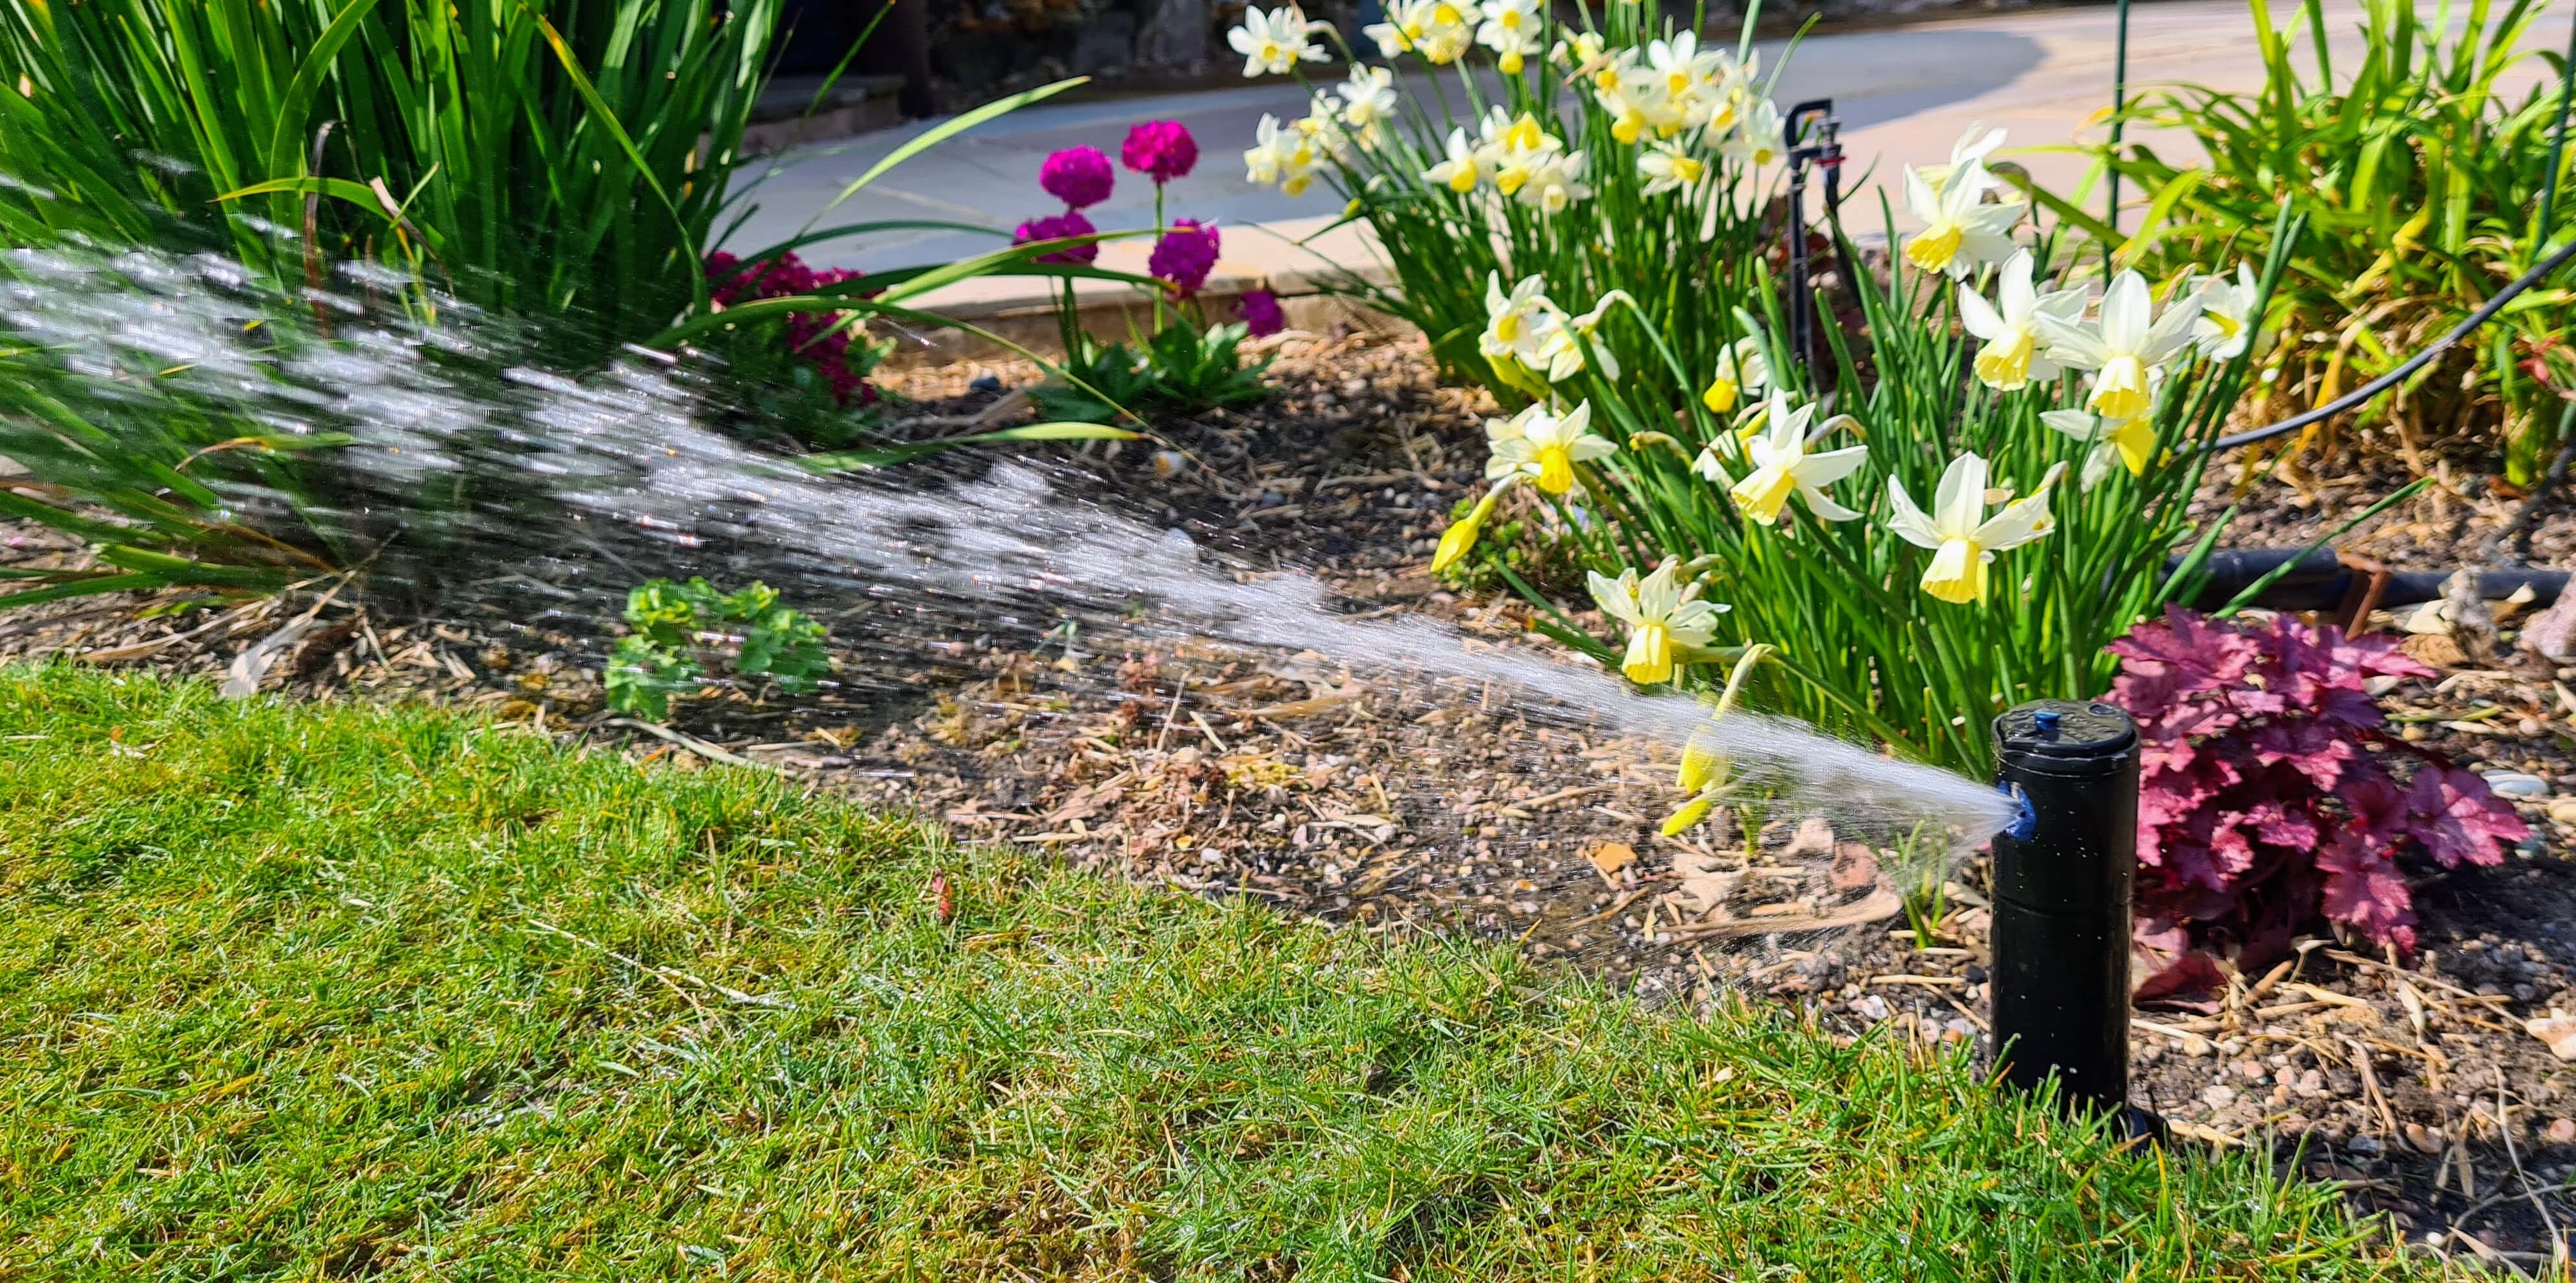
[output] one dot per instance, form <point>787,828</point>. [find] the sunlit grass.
<point>335,991</point>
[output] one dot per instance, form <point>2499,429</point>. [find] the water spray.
<point>2062,874</point>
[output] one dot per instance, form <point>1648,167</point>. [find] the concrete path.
<point>1904,95</point>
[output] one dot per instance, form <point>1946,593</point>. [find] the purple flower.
<point>1160,149</point>
<point>1261,314</point>
<point>1057,227</point>
<point>1078,176</point>
<point>1184,256</point>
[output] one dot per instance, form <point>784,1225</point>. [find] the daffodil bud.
<point>1461,534</point>
<point>1687,818</point>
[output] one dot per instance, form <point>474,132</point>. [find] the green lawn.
<point>306,992</point>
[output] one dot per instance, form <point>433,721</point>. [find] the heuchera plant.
<point>2271,788</point>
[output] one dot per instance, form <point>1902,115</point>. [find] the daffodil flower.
<point>1579,51</point>
<point>2010,360</point>
<point>1521,150</point>
<point>1391,36</point>
<point>1660,618</point>
<point>1274,42</point>
<point>1972,149</point>
<point>2130,443</point>
<point>1443,29</point>
<point>1707,773</point>
<point>1668,168</point>
<point>1279,154</point>
<point>1544,446</point>
<point>1563,353</point>
<point>1322,127</point>
<point>1516,324</point>
<point>1513,29</point>
<point>1962,539</point>
<point>1464,168</point>
<point>1460,537</point>
<point>2226,322</point>
<point>1959,229</point>
<point>2127,351</point>
<point>1556,183</point>
<point>1368,102</point>
<point>1741,372</point>
<point>1759,143</point>
<point>1628,111</point>
<point>1782,466</point>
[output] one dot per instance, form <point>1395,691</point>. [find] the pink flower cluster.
<point>1081,177</point>
<point>1184,255</point>
<point>1057,227</point>
<point>1078,176</point>
<point>1262,316</point>
<point>1160,149</point>
<point>787,276</point>
<point>2267,793</point>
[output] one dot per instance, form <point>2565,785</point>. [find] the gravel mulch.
<point>2415,1081</point>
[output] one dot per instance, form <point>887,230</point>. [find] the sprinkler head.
<point>2061,878</point>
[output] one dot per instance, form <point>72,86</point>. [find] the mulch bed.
<point>1285,777</point>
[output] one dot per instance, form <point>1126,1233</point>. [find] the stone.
<point>2561,1131</point>
<point>2557,1029</point>
<point>2552,633</point>
<point>2219,1095</point>
<point>1175,33</point>
<point>2517,784</point>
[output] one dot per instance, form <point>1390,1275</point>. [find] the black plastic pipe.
<point>2319,581</point>
<point>2062,873</point>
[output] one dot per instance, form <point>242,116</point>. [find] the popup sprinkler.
<point>2062,873</point>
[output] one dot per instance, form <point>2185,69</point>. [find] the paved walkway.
<point>1904,95</point>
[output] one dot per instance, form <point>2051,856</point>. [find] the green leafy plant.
<point>2424,188</point>
<point>680,627</point>
<point>1180,369</point>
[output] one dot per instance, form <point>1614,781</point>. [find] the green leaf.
<point>881,456</point>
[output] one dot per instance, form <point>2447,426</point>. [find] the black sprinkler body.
<point>2062,875</point>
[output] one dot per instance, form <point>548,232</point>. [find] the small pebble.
<point>984,383</point>
<point>2424,1141</point>
<point>2219,1095</point>
<point>2562,1131</point>
<point>2517,784</point>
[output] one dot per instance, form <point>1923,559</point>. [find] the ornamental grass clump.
<point>2426,186</point>
<point>2273,792</point>
<point>1956,512</point>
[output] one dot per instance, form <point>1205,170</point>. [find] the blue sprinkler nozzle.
<point>2025,821</point>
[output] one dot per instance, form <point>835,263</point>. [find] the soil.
<point>2413,1081</point>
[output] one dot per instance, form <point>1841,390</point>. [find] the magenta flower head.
<point>1261,314</point>
<point>1078,176</point>
<point>1057,227</point>
<point>1161,150</point>
<point>1184,256</point>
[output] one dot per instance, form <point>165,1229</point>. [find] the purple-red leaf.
<point>2458,819</point>
<point>2264,800</point>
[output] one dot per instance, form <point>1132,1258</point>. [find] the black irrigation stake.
<point>2062,873</point>
<point>1825,152</point>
